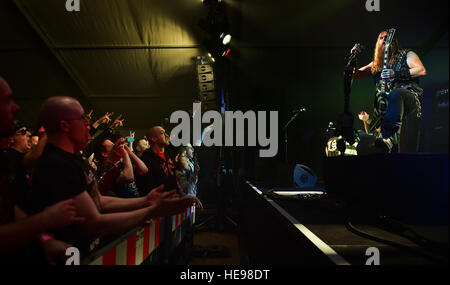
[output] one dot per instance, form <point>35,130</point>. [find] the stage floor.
<point>344,234</point>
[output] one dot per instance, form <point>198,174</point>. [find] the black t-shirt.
<point>28,253</point>
<point>6,193</point>
<point>160,171</point>
<point>15,161</point>
<point>20,178</point>
<point>58,176</point>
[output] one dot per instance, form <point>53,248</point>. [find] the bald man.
<point>161,167</point>
<point>61,173</point>
<point>17,230</point>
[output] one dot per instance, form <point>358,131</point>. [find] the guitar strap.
<point>396,66</point>
<point>400,60</point>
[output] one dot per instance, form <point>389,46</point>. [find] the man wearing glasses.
<point>18,231</point>
<point>20,145</point>
<point>20,141</point>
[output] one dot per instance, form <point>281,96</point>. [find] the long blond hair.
<point>378,54</point>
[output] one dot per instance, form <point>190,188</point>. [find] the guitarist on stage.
<point>401,71</point>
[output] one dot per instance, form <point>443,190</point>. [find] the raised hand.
<point>91,162</point>
<point>89,115</point>
<point>105,118</point>
<point>198,204</point>
<point>363,116</point>
<point>127,148</point>
<point>62,214</point>
<point>156,193</point>
<point>117,151</point>
<point>167,205</point>
<point>117,122</point>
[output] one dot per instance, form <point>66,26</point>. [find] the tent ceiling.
<point>123,49</point>
<point>331,23</point>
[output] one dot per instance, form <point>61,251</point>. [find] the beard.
<point>378,58</point>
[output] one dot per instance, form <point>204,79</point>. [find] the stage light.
<point>227,52</point>
<point>226,39</point>
<point>211,57</point>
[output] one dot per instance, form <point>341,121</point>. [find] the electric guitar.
<point>383,88</point>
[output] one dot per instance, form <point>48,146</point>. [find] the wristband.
<point>44,238</point>
<point>403,75</point>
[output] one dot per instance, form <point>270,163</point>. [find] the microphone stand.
<point>296,113</point>
<point>346,120</point>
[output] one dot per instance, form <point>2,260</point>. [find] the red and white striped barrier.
<point>138,246</point>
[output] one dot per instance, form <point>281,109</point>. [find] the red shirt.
<point>161,154</point>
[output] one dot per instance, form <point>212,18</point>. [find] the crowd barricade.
<point>135,246</point>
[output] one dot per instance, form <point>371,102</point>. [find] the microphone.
<point>357,49</point>
<point>299,110</point>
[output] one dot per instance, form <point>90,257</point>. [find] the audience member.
<point>141,146</point>
<point>125,172</point>
<point>15,155</point>
<point>187,174</point>
<point>17,230</point>
<point>53,181</point>
<point>160,165</point>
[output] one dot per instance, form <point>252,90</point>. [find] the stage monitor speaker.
<point>208,96</point>
<point>304,177</point>
<point>204,87</point>
<point>204,68</point>
<point>205,77</point>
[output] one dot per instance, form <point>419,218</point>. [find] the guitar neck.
<point>385,65</point>
<point>390,38</point>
